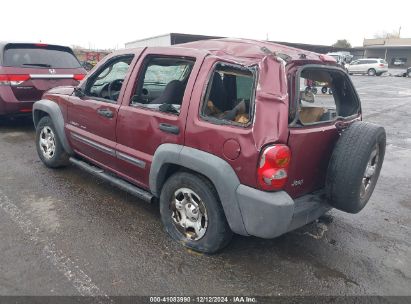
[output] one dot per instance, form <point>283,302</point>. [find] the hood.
<point>63,90</point>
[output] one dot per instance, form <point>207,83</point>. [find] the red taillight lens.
<point>13,80</point>
<point>272,172</point>
<point>78,77</point>
<point>381,65</point>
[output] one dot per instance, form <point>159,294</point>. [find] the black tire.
<point>59,158</point>
<point>217,234</point>
<point>324,90</point>
<point>314,90</point>
<point>349,162</point>
<point>371,72</point>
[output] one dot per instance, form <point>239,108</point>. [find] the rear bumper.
<point>271,214</point>
<point>10,106</point>
<point>382,70</point>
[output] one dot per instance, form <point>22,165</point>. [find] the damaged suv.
<point>222,133</point>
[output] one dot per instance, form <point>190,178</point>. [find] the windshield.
<point>39,57</point>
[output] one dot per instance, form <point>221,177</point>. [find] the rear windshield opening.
<point>32,56</point>
<point>324,95</point>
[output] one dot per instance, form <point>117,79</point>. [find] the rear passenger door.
<point>154,108</point>
<point>367,64</point>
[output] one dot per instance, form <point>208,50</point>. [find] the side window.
<point>106,83</point>
<point>230,95</point>
<point>162,84</point>
<point>324,96</point>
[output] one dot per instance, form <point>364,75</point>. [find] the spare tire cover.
<point>355,166</point>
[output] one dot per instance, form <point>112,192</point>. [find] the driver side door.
<point>92,116</point>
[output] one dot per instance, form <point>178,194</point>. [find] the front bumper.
<point>271,214</point>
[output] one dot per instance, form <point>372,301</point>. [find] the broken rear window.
<point>324,95</point>
<point>230,95</point>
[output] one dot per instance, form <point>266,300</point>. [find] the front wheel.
<point>371,72</point>
<point>49,147</point>
<point>192,213</point>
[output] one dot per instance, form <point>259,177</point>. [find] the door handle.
<point>169,128</point>
<point>105,113</point>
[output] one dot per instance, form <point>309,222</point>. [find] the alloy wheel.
<point>189,214</point>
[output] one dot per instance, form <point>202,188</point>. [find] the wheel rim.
<point>370,172</point>
<point>371,72</point>
<point>47,142</point>
<point>189,214</point>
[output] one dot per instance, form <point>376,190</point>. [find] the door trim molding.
<point>93,144</point>
<point>119,155</point>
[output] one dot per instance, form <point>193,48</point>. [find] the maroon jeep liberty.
<point>227,135</point>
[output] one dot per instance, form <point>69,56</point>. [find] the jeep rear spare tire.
<point>355,166</point>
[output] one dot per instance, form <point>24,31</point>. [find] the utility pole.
<point>399,33</point>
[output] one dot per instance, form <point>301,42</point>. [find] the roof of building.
<point>392,42</point>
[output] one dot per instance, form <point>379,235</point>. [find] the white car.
<point>370,66</point>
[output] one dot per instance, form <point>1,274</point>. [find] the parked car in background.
<point>27,70</point>
<point>369,66</point>
<point>341,57</point>
<point>222,133</point>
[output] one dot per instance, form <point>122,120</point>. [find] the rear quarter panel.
<point>269,123</point>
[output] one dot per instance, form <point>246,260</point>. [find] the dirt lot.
<point>64,232</point>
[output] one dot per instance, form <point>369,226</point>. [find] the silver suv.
<point>370,66</point>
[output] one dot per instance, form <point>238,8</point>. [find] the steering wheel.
<point>111,90</point>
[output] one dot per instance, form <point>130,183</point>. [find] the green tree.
<point>342,43</point>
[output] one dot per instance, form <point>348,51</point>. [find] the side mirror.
<point>78,92</point>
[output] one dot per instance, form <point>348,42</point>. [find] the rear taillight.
<point>13,80</point>
<point>382,65</point>
<point>272,172</point>
<point>78,77</point>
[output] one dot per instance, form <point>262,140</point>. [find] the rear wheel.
<point>355,166</point>
<point>49,147</point>
<point>192,214</point>
<point>371,72</point>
